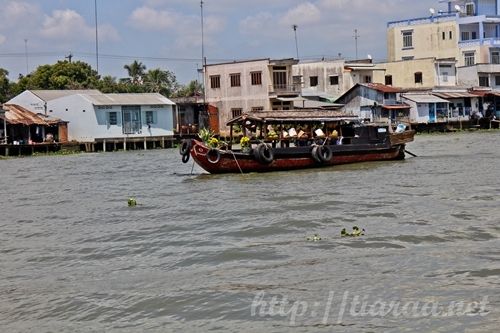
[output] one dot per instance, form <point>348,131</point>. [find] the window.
<point>150,117</point>
<point>465,35</point>
<point>256,78</point>
<point>235,80</point>
<point>469,9</point>
<point>473,35</point>
<point>451,34</point>
<point>497,80</point>
<point>495,57</point>
<point>334,80</point>
<point>236,112</point>
<point>279,77</point>
<point>418,77</point>
<point>388,80</point>
<point>257,108</point>
<point>407,58</point>
<point>368,79</point>
<point>313,81</point>
<point>112,118</point>
<point>408,39</point>
<point>214,81</point>
<point>444,35</point>
<point>484,81</point>
<point>469,58</point>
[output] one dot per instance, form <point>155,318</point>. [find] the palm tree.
<point>135,71</point>
<point>159,81</point>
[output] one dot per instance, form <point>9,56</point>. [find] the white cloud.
<point>306,13</point>
<point>68,25</point>
<point>146,18</point>
<point>18,14</point>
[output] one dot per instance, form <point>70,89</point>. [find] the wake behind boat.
<point>287,140</point>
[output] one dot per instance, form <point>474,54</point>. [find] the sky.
<point>166,34</point>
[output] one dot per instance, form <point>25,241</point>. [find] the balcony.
<point>284,89</point>
<point>478,42</point>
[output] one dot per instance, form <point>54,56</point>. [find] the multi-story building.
<point>333,77</point>
<point>253,85</point>
<point>468,31</point>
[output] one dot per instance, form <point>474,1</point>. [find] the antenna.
<point>296,44</point>
<point>69,57</point>
<point>432,11</point>
<point>356,36</point>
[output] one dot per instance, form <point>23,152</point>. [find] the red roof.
<point>396,106</point>
<point>15,114</point>
<point>381,87</point>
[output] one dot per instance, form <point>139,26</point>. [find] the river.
<point>230,253</point>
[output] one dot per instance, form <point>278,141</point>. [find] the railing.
<point>284,88</point>
<point>477,42</point>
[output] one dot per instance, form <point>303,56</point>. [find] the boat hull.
<point>228,161</point>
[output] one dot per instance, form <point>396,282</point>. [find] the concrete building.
<point>93,115</point>
<point>424,73</point>
<point>469,32</point>
<point>242,86</point>
<point>330,78</point>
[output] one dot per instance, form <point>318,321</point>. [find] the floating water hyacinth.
<point>132,202</point>
<point>355,232</point>
<point>314,238</point>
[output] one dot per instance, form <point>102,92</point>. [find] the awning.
<point>424,98</point>
<point>291,99</point>
<point>479,93</point>
<point>447,95</point>
<point>396,107</point>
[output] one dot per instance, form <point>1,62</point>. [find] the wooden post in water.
<point>104,145</point>
<point>145,144</point>
<point>124,144</point>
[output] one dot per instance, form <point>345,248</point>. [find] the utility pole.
<point>356,36</point>
<point>26,55</point>
<point>96,39</point>
<point>69,57</point>
<point>296,43</point>
<point>203,64</point>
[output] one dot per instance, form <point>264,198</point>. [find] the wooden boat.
<point>344,140</point>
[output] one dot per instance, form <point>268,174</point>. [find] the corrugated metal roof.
<point>128,99</point>
<point>293,115</point>
<point>15,114</point>
<point>424,98</point>
<point>48,95</point>
<point>453,94</point>
<point>381,87</point>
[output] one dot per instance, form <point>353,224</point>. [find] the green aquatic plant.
<point>132,202</point>
<point>314,238</point>
<point>355,232</point>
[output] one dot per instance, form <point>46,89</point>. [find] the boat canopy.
<point>290,116</point>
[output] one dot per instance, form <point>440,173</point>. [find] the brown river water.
<point>230,253</point>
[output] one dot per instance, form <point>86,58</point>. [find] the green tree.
<point>62,75</point>
<point>4,86</point>
<point>136,72</point>
<point>193,88</point>
<point>160,81</point>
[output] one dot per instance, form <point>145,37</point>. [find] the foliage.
<point>245,141</point>
<point>193,88</point>
<point>136,72</point>
<point>213,142</point>
<point>205,134</point>
<point>4,85</point>
<point>160,81</point>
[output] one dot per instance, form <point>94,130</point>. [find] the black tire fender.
<point>322,154</point>
<point>264,154</point>
<point>185,158</point>
<point>185,147</point>
<point>213,156</point>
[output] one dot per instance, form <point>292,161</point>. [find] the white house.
<point>93,115</point>
<point>426,108</point>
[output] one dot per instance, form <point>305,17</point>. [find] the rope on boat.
<point>192,168</point>
<point>408,152</point>
<point>234,156</point>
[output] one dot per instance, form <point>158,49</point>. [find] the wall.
<point>323,70</point>
<point>246,96</point>
<point>29,101</point>
<point>427,40</point>
<point>403,73</point>
<point>93,123</point>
